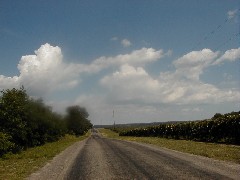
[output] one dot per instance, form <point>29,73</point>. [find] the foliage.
<point>44,125</point>
<point>13,115</point>
<point>76,120</point>
<point>25,122</point>
<point>220,129</point>
<point>5,143</point>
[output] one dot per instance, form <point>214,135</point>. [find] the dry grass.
<point>211,150</point>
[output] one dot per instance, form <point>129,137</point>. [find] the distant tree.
<point>76,120</point>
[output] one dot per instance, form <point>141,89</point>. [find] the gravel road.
<point>103,158</point>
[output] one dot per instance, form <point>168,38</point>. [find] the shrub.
<point>5,143</point>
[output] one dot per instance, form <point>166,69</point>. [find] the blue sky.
<point>148,60</point>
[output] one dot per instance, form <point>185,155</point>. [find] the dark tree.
<point>76,120</point>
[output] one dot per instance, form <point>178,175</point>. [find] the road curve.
<point>102,158</point>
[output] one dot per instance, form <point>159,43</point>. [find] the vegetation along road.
<point>103,158</point>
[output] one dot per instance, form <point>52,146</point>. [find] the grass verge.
<point>216,151</point>
<point>19,166</point>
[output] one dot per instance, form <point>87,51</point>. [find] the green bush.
<point>5,143</point>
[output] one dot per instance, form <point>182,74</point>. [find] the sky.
<point>146,60</point>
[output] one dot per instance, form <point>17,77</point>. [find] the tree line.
<point>26,122</point>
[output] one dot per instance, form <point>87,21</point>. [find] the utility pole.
<point>113,121</point>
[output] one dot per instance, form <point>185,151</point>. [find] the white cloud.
<point>126,43</point>
<point>9,82</point>
<point>136,57</point>
<point>192,64</point>
<point>232,13</point>
<point>43,72</point>
<point>229,55</point>
<point>131,84</point>
<point>182,86</point>
<point>46,72</point>
<point>130,88</point>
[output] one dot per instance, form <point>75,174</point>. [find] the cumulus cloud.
<point>192,64</point>
<point>136,57</point>
<point>43,72</point>
<point>182,86</point>
<point>232,13</point>
<point>131,84</point>
<point>229,55</point>
<point>9,82</point>
<point>126,43</point>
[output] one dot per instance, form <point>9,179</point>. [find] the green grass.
<point>211,150</point>
<point>19,166</point>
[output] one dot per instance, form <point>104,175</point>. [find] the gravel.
<point>58,167</point>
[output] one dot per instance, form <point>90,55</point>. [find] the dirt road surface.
<point>102,158</point>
